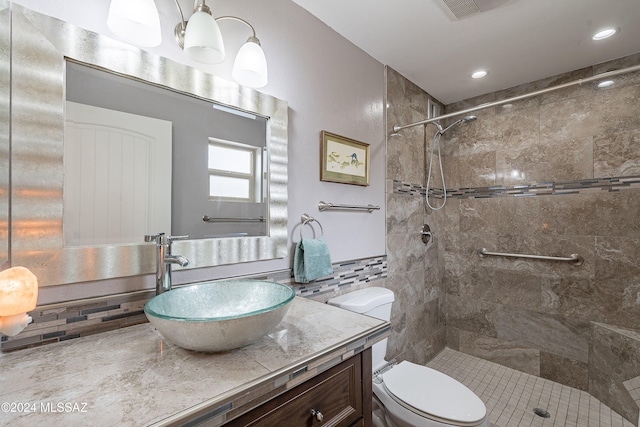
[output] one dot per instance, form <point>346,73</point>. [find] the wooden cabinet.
<point>339,396</point>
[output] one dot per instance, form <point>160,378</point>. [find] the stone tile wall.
<point>537,316</point>
<point>415,270</point>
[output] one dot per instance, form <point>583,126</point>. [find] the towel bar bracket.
<point>307,219</point>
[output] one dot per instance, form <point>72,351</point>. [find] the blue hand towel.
<point>311,260</point>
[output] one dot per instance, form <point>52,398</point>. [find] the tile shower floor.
<point>511,396</point>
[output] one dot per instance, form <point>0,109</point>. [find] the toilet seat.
<point>433,395</point>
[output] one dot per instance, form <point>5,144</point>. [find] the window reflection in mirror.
<point>235,171</point>
<point>124,180</point>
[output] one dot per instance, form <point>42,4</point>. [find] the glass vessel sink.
<point>221,315</point>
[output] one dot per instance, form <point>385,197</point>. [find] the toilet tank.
<point>374,302</point>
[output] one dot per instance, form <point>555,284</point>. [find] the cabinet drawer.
<point>336,394</point>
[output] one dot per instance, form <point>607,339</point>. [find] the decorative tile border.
<point>345,275</point>
<point>534,189</point>
<point>75,319</point>
<point>408,189</point>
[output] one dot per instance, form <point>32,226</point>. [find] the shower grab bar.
<point>207,218</point>
<point>323,206</point>
<point>573,259</point>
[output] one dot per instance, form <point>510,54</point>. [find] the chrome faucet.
<point>164,259</point>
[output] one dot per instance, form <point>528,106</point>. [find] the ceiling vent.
<point>458,9</point>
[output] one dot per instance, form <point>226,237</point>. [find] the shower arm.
<point>601,76</point>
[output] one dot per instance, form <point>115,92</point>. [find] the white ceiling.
<point>518,42</point>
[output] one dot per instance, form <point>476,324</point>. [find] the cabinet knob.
<point>317,415</point>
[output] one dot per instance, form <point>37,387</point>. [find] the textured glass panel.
<point>230,159</point>
<point>223,186</point>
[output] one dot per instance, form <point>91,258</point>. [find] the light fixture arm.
<point>235,18</point>
<point>181,27</point>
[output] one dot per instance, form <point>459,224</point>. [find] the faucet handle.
<point>153,237</point>
<point>172,238</point>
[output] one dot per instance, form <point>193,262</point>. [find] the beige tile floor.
<point>511,396</point>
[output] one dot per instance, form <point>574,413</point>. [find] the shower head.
<point>465,119</point>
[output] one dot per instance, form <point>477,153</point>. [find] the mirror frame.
<point>5,109</point>
<point>41,45</point>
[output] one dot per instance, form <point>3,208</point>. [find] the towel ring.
<point>306,220</point>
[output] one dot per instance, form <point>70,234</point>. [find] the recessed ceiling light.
<point>604,34</point>
<point>605,83</point>
<point>479,74</point>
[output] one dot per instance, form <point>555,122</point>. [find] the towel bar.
<point>207,218</point>
<point>323,206</point>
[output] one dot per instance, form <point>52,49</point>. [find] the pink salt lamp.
<point>18,295</point>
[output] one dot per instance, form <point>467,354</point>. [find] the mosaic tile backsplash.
<point>74,319</point>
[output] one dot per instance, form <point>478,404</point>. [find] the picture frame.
<point>344,160</point>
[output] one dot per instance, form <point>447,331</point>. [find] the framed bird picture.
<point>343,160</point>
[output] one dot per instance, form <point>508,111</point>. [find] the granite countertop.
<point>132,377</point>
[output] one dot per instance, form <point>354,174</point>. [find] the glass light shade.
<point>604,34</point>
<point>135,21</point>
<point>250,66</point>
<point>605,84</point>
<point>479,74</point>
<point>203,40</point>
<point>18,294</point>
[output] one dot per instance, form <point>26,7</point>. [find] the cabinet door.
<point>336,394</point>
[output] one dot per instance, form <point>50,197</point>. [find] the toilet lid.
<point>434,394</point>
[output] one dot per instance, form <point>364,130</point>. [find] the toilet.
<point>406,394</point>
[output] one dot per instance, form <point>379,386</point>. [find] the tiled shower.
<point>555,174</point>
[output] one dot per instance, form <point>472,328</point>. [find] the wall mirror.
<point>140,158</point>
<point>5,43</point>
<point>55,67</point>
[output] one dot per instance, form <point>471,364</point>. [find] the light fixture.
<point>135,21</point>
<point>479,74</point>
<point>604,34</point>
<point>605,83</point>
<point>18,295</point>
<point>201,40</point>
<point>250,65</point>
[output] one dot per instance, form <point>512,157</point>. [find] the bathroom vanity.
<point>315,365</point>
<point>340,396</point>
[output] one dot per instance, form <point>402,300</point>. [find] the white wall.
<point>329,83</point>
